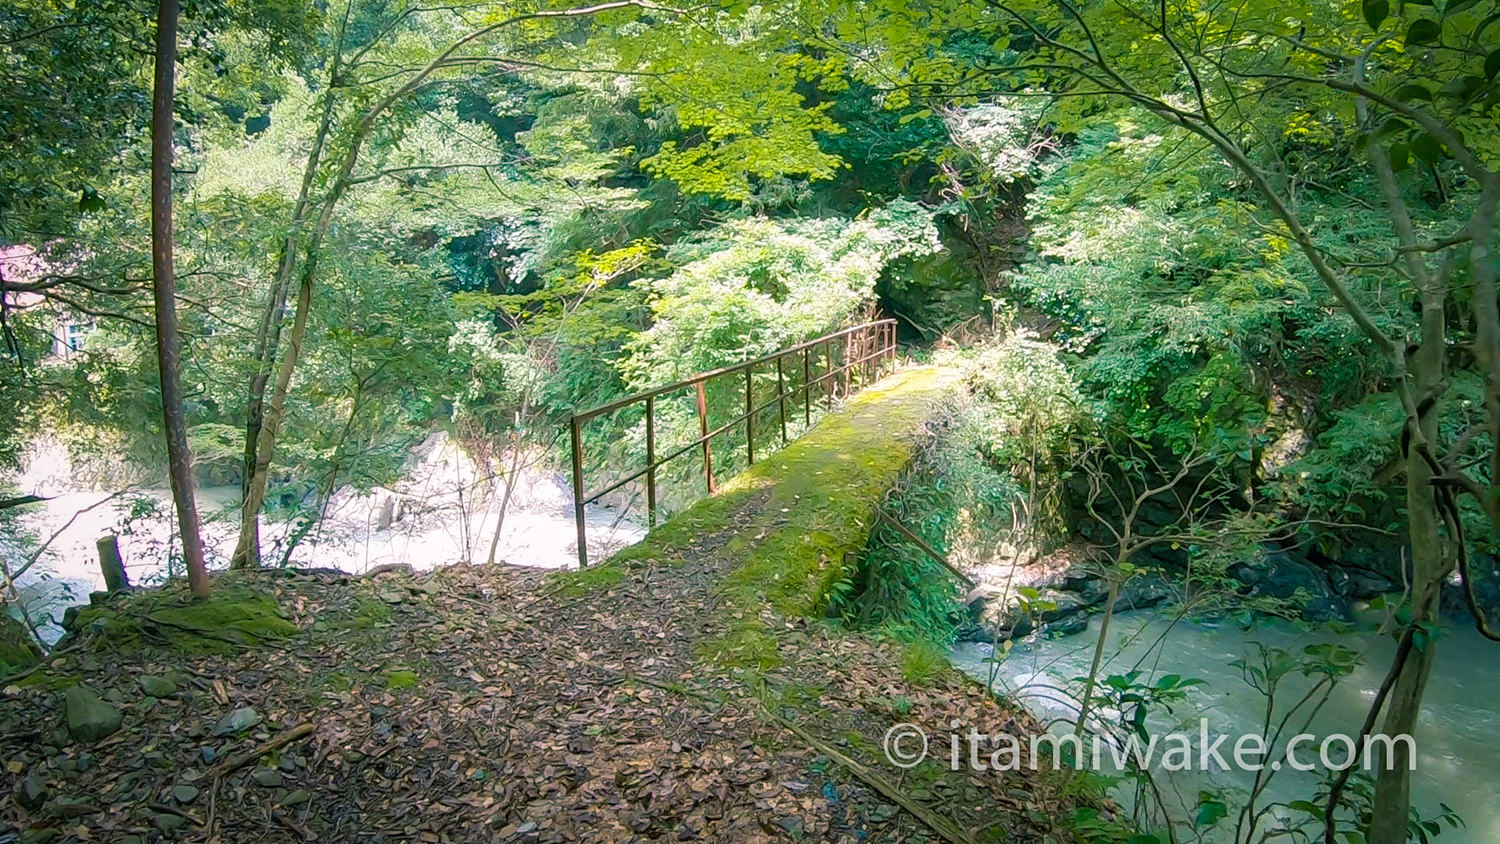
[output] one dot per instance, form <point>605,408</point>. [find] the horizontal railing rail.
<point>866,348</point>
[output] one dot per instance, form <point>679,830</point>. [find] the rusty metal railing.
<point>863,350</point>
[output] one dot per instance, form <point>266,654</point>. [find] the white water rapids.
<point>438,514</point>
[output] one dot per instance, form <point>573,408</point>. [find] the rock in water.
<point>89,717</point>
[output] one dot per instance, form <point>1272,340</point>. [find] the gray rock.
<point>1069,626</point>
<point>31,791</point>
<point>268,777</point>
<point>89,717</point>
<point>237,721</point>
<point>1276,574</point>
<point>1065,605</point>
<point>1143,591</point>
<point>158,687</point>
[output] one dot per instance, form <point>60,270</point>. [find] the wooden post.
<point>577,435</point>
<point>651,461</point>
<point>781,397</point>
<point>749,416</point>
<point>846,369</point>
<point>807,386</point>
<point>112,564</point>
<point>830,375</point>
<point>708,454</point>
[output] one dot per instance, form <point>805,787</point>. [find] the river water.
<point>1458,740</point>
<point>434,516</point>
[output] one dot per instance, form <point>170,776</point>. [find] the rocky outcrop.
<point>1274,573</point>
<point>1061,605</point>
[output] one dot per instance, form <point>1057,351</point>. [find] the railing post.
<point>708,455</point>
<point>847,368</point>
<point>807,387</point>
<point>576,429</point>
<point>651,461</point>
<point>749,416</point>
<point>781,397</point>
<point>830,375</point>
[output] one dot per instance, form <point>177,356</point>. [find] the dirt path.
<point>657,699</point>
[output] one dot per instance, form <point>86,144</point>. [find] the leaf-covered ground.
<point>664,697</point>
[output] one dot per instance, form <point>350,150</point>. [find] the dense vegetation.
<point>1245,250</point>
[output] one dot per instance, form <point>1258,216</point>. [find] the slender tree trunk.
<point>510,485</point>
<point>247,550</point>
<point>1430,565</point>
<point>268,332</point>
<point>164,290</point>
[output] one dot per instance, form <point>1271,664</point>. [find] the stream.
<point>435,515</point>
<point>1458,742</point>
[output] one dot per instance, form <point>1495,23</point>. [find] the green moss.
<point>18,651</point>
<point>400,679</point>
<point>587,581</point>
<point>746,645</point>
<point>232,618</point>
<point>796,518</point>
<point>367,613</point>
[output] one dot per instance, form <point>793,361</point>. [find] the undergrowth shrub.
<point>985,489</point>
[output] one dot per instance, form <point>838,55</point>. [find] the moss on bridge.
<point>783,531</point>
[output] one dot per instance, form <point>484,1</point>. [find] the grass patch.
<point>923,662</point>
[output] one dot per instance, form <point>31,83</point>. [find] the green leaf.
<point>1400,157</point>
<point>1427,148</point>
<point>1211,810</point>
<point>1376,11</point>
<point>1413,91</point>
<point>1457,6</point>
<point>1423,31</point>
<point>1492,65</point>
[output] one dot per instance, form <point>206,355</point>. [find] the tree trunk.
<point>247,549</point>
<point>164,290</point>
<point>1430,565</point>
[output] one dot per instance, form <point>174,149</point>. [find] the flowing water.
<point>1458,739</point>
<point>435,516</point>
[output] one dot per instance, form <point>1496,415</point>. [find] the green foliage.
<point>751,287</point>
<point>992,462</point>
